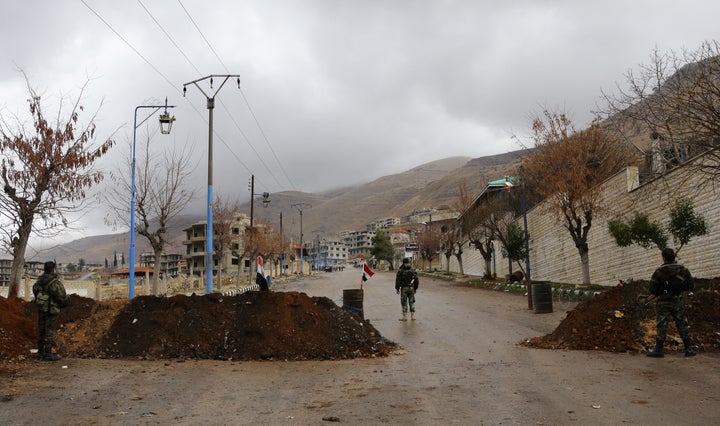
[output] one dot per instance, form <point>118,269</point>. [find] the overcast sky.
<point>333,93</point>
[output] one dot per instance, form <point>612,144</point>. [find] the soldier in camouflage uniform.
<point>406,284</point>
<point>668,282</point>
<point>50,297</point>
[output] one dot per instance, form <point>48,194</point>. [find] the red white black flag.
<point>367,272</point>
<point>260,277</point>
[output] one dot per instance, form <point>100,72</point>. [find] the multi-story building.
<point>358,242</point>
<point>383,224</point>
<point>5,266</point>
<point>169,263</point>
<point>195,243</point>
<point>32,268</point>
<point>329,253</point>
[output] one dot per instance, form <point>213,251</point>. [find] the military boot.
<point>41,351</point>
<point>51,357</point>
<point>404,316</point>
<point>689,351</point>
<point>657,351</point>
<point>48,354</point>
<point>412,316</point>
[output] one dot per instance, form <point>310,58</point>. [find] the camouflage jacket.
<point>50,294</point>
<point>406,277</point>
<point>667,273</point>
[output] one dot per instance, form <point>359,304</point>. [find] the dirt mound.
<point>249,326</point>
<point>617,320</point>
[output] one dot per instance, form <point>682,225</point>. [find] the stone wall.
<point>554,257</point>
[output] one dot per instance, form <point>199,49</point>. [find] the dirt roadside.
<point>460,363</point>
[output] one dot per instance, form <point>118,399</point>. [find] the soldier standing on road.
<point>50,297</point>
<point>406,284</point>
<point>668,282</point>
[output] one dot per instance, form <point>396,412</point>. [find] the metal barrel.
<point>542,298</point>
<point>353,301</point>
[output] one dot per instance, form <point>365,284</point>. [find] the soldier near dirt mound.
<point>50,297</point>
<point>668,282</point>
<point>406,284</point>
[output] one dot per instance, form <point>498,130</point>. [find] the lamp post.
<point>523,201</point>
<point>300,207</point>
<point>527,246</point>
<point>209,231</point>
<point>166,122</point>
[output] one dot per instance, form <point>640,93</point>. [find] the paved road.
<point>460,365</point>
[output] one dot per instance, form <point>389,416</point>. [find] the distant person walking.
<point>668,282</point>
<point>50,297</point>
<point>406,284</point>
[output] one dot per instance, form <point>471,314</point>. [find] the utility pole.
<point>300,207</point>
<point>209,231</point>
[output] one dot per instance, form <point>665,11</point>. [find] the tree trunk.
<point>488,266</point>
<point>18,263</point>
<point>156,272</point>
<point>221,256</point>
<point>585,261</point>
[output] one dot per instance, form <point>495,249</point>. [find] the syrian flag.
<point>367,272</point>
<point>260,277</point>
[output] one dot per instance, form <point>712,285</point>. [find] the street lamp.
<point>165,125</point>
<point>523,201</point>
<point>300,207</point>
<point>209,231</point>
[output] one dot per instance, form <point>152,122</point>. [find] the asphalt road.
<point>460,363</point>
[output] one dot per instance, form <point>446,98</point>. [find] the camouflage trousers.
<point>671,308</point>
<point>47,324</point>
<point>407,298</point>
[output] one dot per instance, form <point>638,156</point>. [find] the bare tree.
<point>161,194</point>
<point>45,172</point>
<point>567,168</point>
<point>676,100</point>
<point>224,214</point>
<point>428,244</point>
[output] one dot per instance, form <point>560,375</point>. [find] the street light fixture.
<point>165,125</point>
<point>209,231</point>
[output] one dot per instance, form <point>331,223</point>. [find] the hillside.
<point>432,184</point>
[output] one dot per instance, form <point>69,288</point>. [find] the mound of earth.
<point>618,320</point>
<point>249,326</point>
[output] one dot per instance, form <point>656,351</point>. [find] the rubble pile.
<point>620,319</point>
<point>249,326</point>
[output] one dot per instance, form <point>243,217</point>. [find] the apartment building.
<point>195,243</point>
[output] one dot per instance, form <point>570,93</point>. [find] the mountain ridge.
<point>432,184</point>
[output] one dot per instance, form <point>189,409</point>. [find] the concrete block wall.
<point>554,257</point>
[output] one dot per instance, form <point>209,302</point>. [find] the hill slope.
<point>432,184</point>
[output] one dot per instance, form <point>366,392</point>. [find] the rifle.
<point>644,300</point>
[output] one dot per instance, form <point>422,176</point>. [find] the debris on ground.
<point>250,326</point>
<point>621,319</point>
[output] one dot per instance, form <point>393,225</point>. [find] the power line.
<point>169,38</point>
<point>222,140</point>
<point>203,36</point>
<point>130,46</point>
<point>221,103</point>
<point>257,123</point>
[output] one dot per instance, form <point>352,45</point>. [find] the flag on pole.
<point>260,277</point>
<point>367,272</point>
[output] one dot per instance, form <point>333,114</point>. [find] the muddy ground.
<point>465,360</point>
